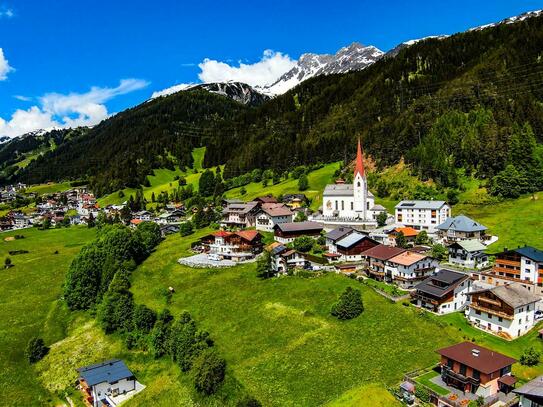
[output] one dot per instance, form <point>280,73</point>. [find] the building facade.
<point>444,292</point>
<point>422,215</point>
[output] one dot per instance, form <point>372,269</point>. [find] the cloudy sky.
<point>68,63</point>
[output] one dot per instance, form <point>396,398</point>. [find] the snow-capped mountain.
<point>238,91</point>
<point>394,51</point>
<point>510,20</point>
<point>355,57</point>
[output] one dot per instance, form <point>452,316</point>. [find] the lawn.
<point>277,336</point>
<point>425,380</point>
<point>389,289</point>
<point>49,188</point>
<point>28,294</point>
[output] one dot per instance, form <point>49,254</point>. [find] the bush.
<point>248,401</point>
<point>209,370</point>
<point>422,394</point>
<point>349,305</point>
<point>530,357</point>
<point>303,183</point>
<point>186,228</point>
<point>144,318</point>
<point>35,350</point>
<point>303,243</point>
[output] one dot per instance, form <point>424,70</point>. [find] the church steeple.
<point>359,167</point>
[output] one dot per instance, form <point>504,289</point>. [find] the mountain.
<point>238,91</point>
<point>458,102</point>
<point>395,51</point>
<point>355,57</point>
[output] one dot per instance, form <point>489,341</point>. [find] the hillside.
<point>460,101</point>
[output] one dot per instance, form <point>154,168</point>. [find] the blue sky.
<point>73,62</point>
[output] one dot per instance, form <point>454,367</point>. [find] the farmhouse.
<point>107,383</point>
<point>284,259</point>
<point>335,235</point>
<point>477,370</point>
<point>523,265</point>
<point>240,215</point>
<point>408,268</point>
<point>507,310</point>
<point>287,232</point>
<point>444,292</point>
<point>468,254</point>
<point>376,259</point>
<point>422,215</point>
<point>235,246</point>
<point>460,228</point>
<point>271,214</point>
<point>352,246</point>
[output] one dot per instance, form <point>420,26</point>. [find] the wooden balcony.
<point>502,314</point>
<point>497,269</point>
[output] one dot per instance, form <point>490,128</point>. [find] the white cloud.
<point>74,109</point>
<point>264,72</point>
<point>22,98</point>
<point>4,66</point>
<point>172,89</point>
<point>6,12</point>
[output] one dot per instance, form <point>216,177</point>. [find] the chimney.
<point>475,352</point>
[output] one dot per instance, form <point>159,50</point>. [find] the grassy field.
<point>49,188</point>
<point>28,294</point>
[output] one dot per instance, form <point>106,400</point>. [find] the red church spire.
<point>359,167</point>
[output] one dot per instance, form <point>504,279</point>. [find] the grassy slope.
<point>27,296</point>
<point>49,188</point>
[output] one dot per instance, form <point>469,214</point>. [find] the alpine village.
<point>369,234</point>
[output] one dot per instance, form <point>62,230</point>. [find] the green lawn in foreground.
<point>28,306</point>
<point>371,395</point>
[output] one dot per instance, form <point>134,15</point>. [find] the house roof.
<point>420,205</point>
<point>382,252</point>
<point>109,371</point>
<point>278,249</point>
<point>221,233</point>
<point>248,234</point>
<point>299,226</point>
<point>462,223</point>
<point>339,233</point>
<point>276,209</point>
<point>407,231</point>
<point>350,240</point>
<point>513,294</point>
<point>448,280</point>
<point>407,258</point>
<point>340,190</point>
<point>477,357</point>
<point>266,199</point>
<point>136,221</point>
<point>530,252</point>
<point>532,388</point>
<point>471,245</point>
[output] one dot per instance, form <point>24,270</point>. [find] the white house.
<point>144,216</point>
<point>335,235</point>
<point>237,214</point>
<point>409,268</point>
<point>271,214</point>
<point>460,228</point>
<point>110,381</point>
<point>469,254</point>
<point>443,292</point>
<point>422,215</point>
<point>506,310</point>
<point>348,202</point>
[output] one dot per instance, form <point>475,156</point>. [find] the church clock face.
<point>329,205</point>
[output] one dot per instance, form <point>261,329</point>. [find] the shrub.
<point>303,243</point>
<point>209,370</point>
<point>248,401</point>
<point>303,183</point>
<point>530,357</point>
<point>35,350</point>
<point>7,263</point>
<point>422,394</point>
<point>144,318</point>
<point>349,305</point>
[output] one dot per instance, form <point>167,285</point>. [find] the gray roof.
<point>449,279</point>
<point>462,223</point>
<point>420,205</point>
<point>470,245</point>
<point>299,226</point>
<point>339,233</point>
<point>532,388</point>
<point>340,190</point>
<point>513,294</point>
<point>109,371</point>
<point>350,240</point>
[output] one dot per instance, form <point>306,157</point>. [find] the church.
<point>351,202</point>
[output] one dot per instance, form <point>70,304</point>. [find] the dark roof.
<point>530,252</point>
<point>482,359</point>
<point>265,199</point>
<point>513,294</point>
<point>382,252</point>
<point>532,388</point>
<point>109,371</point>
<point>339,233</point>
<point>449,279</point>
<point>299,226</point>
<point>278,249</point>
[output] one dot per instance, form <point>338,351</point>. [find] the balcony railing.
<point>501,314</point>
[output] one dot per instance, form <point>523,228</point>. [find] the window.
<point>352,206</point>
<point>358,184</point>
<point>463,369</point>
<point>342,205</point>
<point>476,374</point>
<point>450,363</point>
<point>477,312</point>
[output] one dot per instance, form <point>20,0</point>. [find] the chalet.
<point>409,268</point>
<point>240,215</point>
<point>20,221</point>
<point>235,246</point>
<point>145,216</point>
<point>460,228</point>
<point>174,216</point>
<point>422,215</point>
<point>107,383</point>
<point>376,258</point>
<point>265,199</point>
<point>294,201</point>
<point>531,394</point>
<point>352,246</point>
<point>477,370</point>
<point>335,235</point>
<point>444,292</point>
<point>168,229</point>
<point>506,310</point>
<point>271,214</point>
<point>523,265</point>
<point>287,232</point>
<point>284,259</point>
<point>469,254</point>
<point>409,234</point>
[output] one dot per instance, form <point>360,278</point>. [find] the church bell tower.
<point>360,185</point>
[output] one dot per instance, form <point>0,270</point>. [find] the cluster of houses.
<point>9,193</point>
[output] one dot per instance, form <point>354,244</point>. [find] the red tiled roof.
<point>248,234</point>
<point>407,258</point>
<point>487,361</point>
<point>382,252</point>
<point>221,233</point>
<point>407,231</point>
<point>136,221</point>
